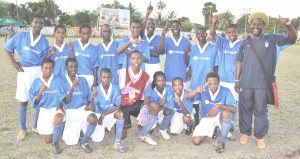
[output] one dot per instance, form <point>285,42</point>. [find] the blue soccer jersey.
<point>154,46</point>
<point>31,52</point>
<point>86,57</point>
<point>227,59</point>
<point>81,94</point>
<point>175,65</point>
<point>143,47</point>
<point>202,61</point>
<point>188,103</point>
<point>52,96</point>
<point>107,56</point>
<point>59,58</point>
<point>167,93</point>
<point>105,102</point>
<point>222,96</point>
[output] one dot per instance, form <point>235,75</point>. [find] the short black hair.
<point>47,60</point>
<point>60,26</point>
<point>176,21</point>
<point>70,59</point>
<point>135,52</point>
<point>200,28</point>
<point>105,25</point>
<point>212,75</point>
<point>37,16</point>
<point>135,21</point>
<point>84,25</point>
<point>232,26</point>
<point>177,78</point>
<point>105,70</point>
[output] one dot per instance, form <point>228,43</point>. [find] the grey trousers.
<point>253,101</point>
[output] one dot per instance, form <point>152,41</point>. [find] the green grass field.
<point>283,139</point>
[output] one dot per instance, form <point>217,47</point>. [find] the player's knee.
<point>23,103</point>
<point>226,114</point>
<point>153,108</point>
<point>58,119</point>
<point>48,139</point>
<point>92,119</point>
<point>186,119</point>
<point>197,140</point>
<point>118,115</point>
<point>167,112</point>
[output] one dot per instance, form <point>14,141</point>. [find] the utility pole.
<point>17,8</point>
<point>246,10</point>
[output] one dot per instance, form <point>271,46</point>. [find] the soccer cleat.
<point>244,139</point>
<point>147,139</point>
<point>164,134</point>
<point>260,143</point>
<point>21,135</point>
<point>86,147</point>
<point>220,148</point>
<point>35,130</point>
<point>56,148</point>
<point>120,147</point>
<point>189,130</point>
<point>230,137</point>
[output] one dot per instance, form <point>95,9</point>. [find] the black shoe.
<point>220,148</point>
<point>86,147</point>
<point>215,135</point>
<point>232,128</point>
<point>189,130</point>
<point>56,148</point>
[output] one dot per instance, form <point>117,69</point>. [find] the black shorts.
<point>133,110</point>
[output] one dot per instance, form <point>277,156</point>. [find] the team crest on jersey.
<point>171,52</point>
<point>266,44</point>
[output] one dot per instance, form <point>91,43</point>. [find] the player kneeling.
<point>78,118</point>
<point>183,109</point>
<point>46,93</point>
<point>217,105</point>
<point>106,101</point>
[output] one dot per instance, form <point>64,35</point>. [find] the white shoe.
<point>165,134</point>
<point>147,139</point>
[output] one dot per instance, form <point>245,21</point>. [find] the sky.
<point>191,8</point>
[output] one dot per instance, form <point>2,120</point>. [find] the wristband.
<point>237,80</point>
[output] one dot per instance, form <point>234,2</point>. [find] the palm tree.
<point>161,6</point>
<point>171,16</point>
<point>225,19</point>
<point>207,11</point>
<point>159,19</point>
<point>134,13</point>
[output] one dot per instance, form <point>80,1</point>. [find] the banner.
<point>115,17</point>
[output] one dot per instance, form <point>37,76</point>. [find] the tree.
<point>225,19</point>
<point>184,19</point>
<point>65,18</point>
<point>80,17</point>
<point>171,16</point>
<point>161,6</point>
<point>241,22</point>
<point>134,13</point>
<point>187,26</point>
<point>207,11</point>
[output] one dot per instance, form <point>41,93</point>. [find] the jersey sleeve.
<point>170,98</point>
<point>229,98</point>
<point>146,50</point>
<point>241,52</point>
<point>216,63</point>
<point>11,44</point>
<point>33,92</point>
<point>148,89</point>
<point>188,104</point>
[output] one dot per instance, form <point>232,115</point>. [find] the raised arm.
<point>292,32</point>
<point>144,23</point>
<point>213,26</point>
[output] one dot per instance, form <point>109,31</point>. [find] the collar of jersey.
<point>151,38</point>
<point>81,46</point>
<point>106,96</point>
<point>176,42</point>
<point>134,78</point>
<point>232,44</point>
<point>69,80</point>
<point>213,96</point>
<point>32,43</point>
<point>60,49</point>
<point>158,93</point>
<point>201,50</point>
<point>49,81</point>
<point>106,48</point>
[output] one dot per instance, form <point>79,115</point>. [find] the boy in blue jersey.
<point>86,55</point>
<point>76,106</point>
<point>162,95</point>
<point>46,93</point>
<point>152,65</point>
<point>202,60</point>
<point>107,55</point>
<point>217,105</point>
<point>32,47</point>
<point>106,103</point>
<point>228,49</point>
<point>183,109</point>
<point>134,42</point>
<point>176,48</point>
<point>60,51</point>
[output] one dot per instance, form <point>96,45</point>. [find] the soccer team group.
<point>79,90</point>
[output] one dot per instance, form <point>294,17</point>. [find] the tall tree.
<point>161,6</point>
<point>171,15</point>
<point>134,13</point>
<point>225,19</point>
<point>207,11</point>
<point>159,18</point>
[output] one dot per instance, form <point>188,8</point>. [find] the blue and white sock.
<point>36,117</point>
<point>225,128</point>
<point>119,129</point>
<point>89,131</point>
<point>57,132</point>
<point>146,128</point>
<point>22,117</point>
<point>166,121</point>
